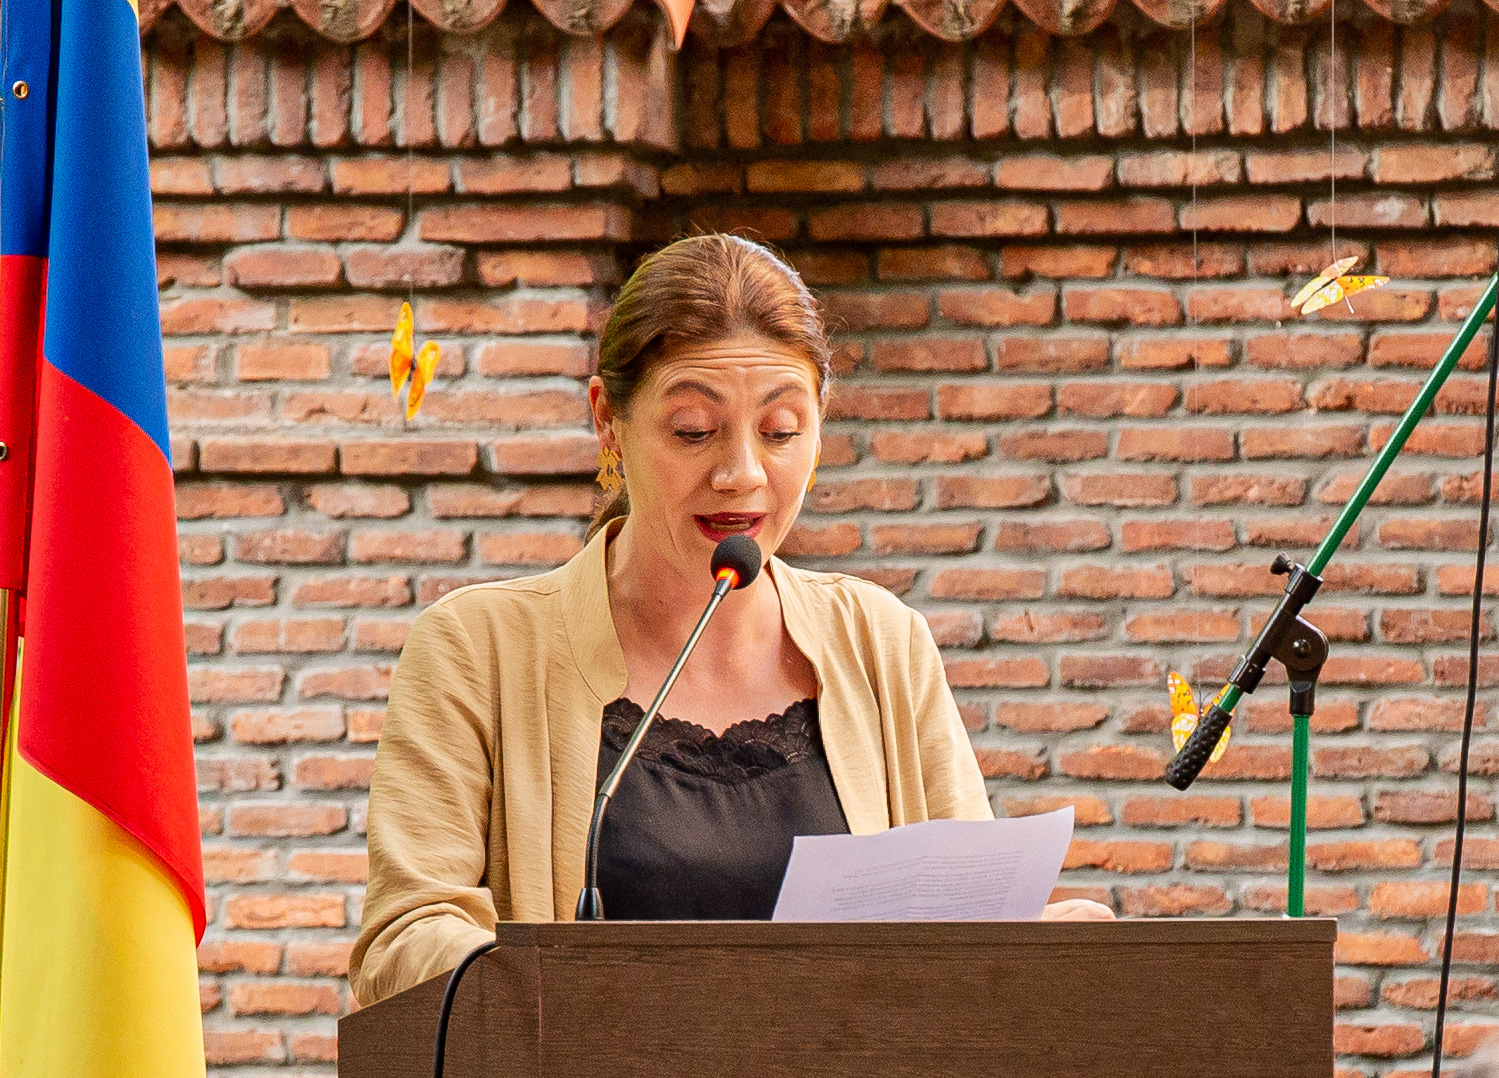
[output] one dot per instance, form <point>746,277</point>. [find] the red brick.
<point>866,221</point>
<point>1396,488</point>
<point>1121,306</point>
<point>333,772</point>
<point>542,268</point>
<point>1174,352</point>
<point>1421,992</point>
<point>208,685</point>
<point>1126,215</point>
<point>224,1047</point>
<point>1374,209</point>
<point>1066,262</point>
<point>1011,763</point>
<point>1103,400</point>
<point>1243,213</point>
<point>1186,444</point>
<point>863,310</point>
<point>1108,671</point>
<point>1051,535</point>
<point>987,584</point>
<point>1183,261</point>
<point>1317,443</point>
<point>215,222</point>
<point>997,673</point>
<point>902,447</point>
<point>844,496</point>
<point>1237,303</point>
<point>1123,489</point>
<point>203,315</point>
<point>1175,900</point>
<point>1049,717</point>
<point>366,682</point>
<point>1178,810</point>
<point>992,217</point>
<point>933,538</point>
<point>407,457</point>
<point>282,266</point>
<point>1114,762</point>
<point>390,176</point>
<point>258,362</point>
<point>778,177</point>
<point>1056,445</point>
<point>286,820</point>
<point>997,400</point>
<point>1119,856</point>
<point>1183,627</point>
<point>318,958</point>
<point>930,354</point>
<point>1363,855</point>
<point>343,221</point>
<point>1054,172</point>
<point>199,501</point>
<point>1051,355</point>
<point>1227,857</point>
<point>1173,168</point>
<point>527,548</point>
<point>1387,1041</point>
<point>233,955</point>
<point>1420,899</point>
<point>1304,166</point>
<point>852,401</point>
<point>1251,489</point>
<point>998,306</point>
<point>941,262</point>
<point>991,491</point>
<point>530,223</point>
<point>1379,949</point>
<point>1105,582</point>
<point>283,997</point>
<point>1042,627</point>
<point>1231,396</point>
<point>925,173</point>
<point>1087,811</point>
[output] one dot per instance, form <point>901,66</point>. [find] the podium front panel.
<point>1156,998</point>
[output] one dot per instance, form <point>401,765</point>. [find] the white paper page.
<point>941,870</point>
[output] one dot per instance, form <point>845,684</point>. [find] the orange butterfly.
<point>1331,285</point>
<point>1184,716</point>
<point>419,368</point>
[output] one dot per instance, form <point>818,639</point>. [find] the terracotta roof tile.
<point>734,22</point>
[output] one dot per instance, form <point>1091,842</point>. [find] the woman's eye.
<point>781,437</point>
<point>692,436</point>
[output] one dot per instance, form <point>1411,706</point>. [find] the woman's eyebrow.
<point>780,391</point>
<point>693,384</point>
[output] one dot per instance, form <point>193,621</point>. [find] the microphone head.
<point>740,555</point>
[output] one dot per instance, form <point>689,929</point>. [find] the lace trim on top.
<point>743,751</point>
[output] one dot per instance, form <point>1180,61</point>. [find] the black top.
<point>701,825</point>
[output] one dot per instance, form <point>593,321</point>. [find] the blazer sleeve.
<point>950,775</point>
<point>427,904</point>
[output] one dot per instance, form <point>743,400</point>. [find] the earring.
<point>611,477</point>
<point>812,479</point>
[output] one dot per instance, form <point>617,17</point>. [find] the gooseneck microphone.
<point>736,562</point>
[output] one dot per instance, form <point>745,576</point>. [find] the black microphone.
<point>736,562</point>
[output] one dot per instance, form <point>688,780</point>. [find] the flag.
<point>102,903</point>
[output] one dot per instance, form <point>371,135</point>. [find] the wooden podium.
<point>1125,999</point>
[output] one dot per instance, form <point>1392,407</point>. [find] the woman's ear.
<point>603,413</point>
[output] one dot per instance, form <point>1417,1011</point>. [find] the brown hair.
<point>703,289</point>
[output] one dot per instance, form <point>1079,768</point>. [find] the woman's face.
<point>721,439</point>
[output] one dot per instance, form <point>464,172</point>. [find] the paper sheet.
<point>941,870</point>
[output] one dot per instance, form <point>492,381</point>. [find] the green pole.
<point>1300,748</point>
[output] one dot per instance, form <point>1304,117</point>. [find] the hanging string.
<point>1332,125</point>
<point>410,156</point>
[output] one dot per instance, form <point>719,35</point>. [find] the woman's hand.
<point>1077,909</point>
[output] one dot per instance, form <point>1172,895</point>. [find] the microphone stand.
<point>1299,645</point>
<point>590,901</point>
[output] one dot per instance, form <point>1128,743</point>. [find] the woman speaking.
<point>815,703</point>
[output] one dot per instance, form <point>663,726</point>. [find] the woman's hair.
<point>704,290</point>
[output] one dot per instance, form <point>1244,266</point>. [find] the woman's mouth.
<point>719,526</point>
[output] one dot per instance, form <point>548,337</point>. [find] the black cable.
<point>1462,761</point>
<point>440,1048</point>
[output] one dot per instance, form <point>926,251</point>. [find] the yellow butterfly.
<point>1184,716</point>
<point>1331,285</point>
<point>403,365</point>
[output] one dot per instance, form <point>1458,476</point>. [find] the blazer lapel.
<point>847,709</point>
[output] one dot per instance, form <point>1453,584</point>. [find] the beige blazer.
<point>487,768</point>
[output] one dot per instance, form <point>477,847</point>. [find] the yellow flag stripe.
<point>98,966</point>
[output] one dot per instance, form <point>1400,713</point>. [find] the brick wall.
<point>1073,449</point>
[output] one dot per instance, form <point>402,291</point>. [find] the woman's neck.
<point>655,606</point>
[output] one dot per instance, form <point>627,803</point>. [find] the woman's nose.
<point>741,468</point>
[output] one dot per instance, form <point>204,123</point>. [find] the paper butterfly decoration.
<point>1330,285</point>
<point>1184,716</point>
<point>403,365</point>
